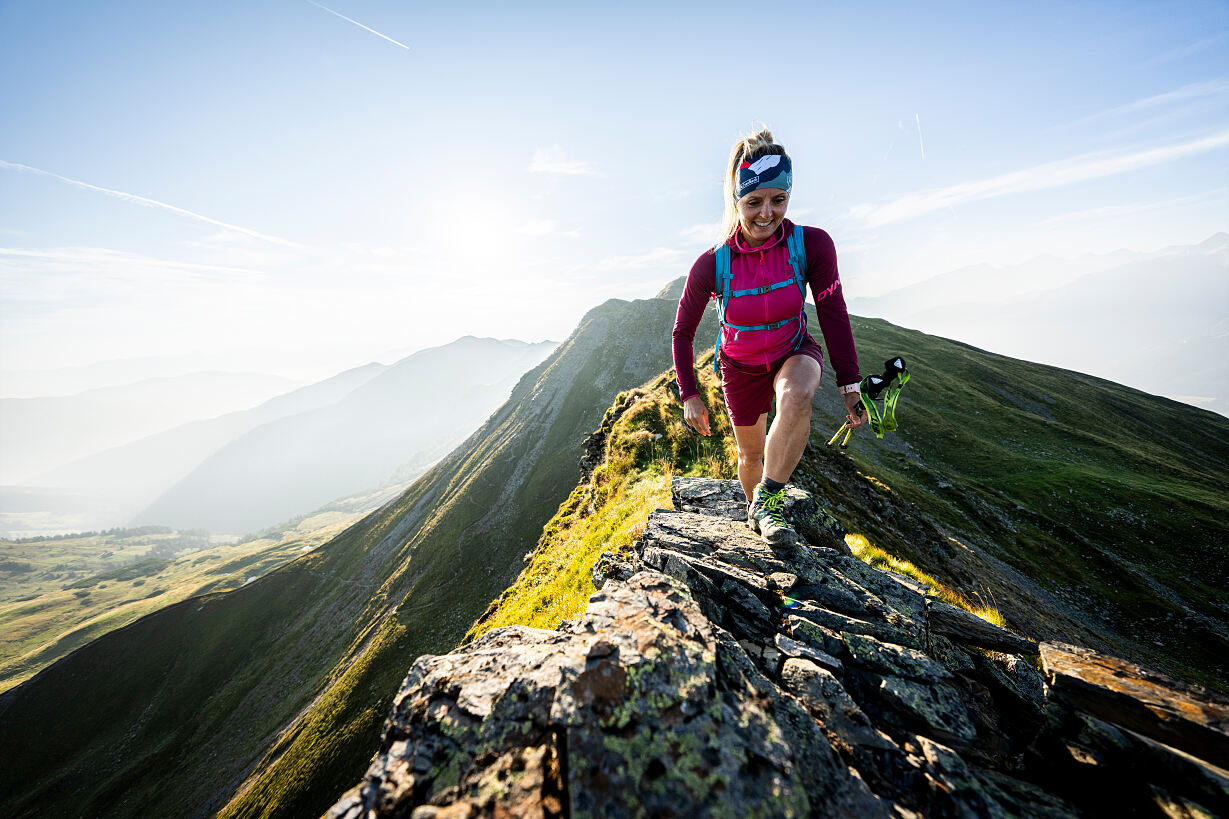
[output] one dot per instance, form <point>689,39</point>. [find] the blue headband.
<point>772,171</point>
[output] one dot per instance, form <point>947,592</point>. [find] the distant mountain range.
<point>1081,508</point>
<point>388,429</point>
<point>359,430</point>
<point>129,477</point>
<point>41,434</point>
<point>1155,321</point>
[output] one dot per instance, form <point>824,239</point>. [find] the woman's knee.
<point>792,397</point>
<point>748,456</point>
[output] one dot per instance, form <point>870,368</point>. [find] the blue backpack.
<point>797,260</point>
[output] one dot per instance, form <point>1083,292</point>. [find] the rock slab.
<point>714,675</point>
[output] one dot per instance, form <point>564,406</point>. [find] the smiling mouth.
<point>762,224</point>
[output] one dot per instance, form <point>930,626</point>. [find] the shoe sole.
<point>784,536</point>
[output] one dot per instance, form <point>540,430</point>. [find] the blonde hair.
<point>747,149</point>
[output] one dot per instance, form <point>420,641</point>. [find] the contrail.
<point>1039,177</point>
<point>360,25</point>
<point>919,135</point>
<point>149,203</point>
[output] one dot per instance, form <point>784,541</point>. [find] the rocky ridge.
<point>713,675</point>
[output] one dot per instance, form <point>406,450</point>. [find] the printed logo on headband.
<point>771,171</point>
<point>764,163</point>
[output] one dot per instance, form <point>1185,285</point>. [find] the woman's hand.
<point>695,415</point>
<point>857,412</point>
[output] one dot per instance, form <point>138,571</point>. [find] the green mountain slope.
<point>1079,508</point>
<point>274,693</point>
<point>1072,503</point>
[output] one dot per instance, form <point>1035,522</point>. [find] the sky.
<point>296,187</point>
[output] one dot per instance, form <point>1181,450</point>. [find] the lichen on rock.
<point>712,675</point>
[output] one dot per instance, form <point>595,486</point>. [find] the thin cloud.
<point>921,146</point>
<point>16,262</point>
<point>555,160</point>
<point>360,25</point>
<point>1198,90</point>
<point>149,203</point>
<point>1217,198</point>
<point>1189,49</point>
<point>1041,177</point>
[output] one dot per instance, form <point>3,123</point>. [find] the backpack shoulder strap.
<point>798,258</point>
<point>724,275</point>
<point>722,288</point>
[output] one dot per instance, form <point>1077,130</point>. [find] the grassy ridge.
<point>1103,505</point>
<point>1056,503</point>
<point>643,444</point>
<point>266,700</point>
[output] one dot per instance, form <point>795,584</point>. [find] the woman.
<point>765,350</point>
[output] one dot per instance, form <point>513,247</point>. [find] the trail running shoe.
<point>764,515</point>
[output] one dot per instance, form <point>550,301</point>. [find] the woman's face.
<point>760,213</point>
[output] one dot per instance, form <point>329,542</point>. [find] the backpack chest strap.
<point>774,325</point>
<point>768,288</point>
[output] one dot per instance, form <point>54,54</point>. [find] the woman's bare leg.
<point>795,385</point>
<point>751,454</point>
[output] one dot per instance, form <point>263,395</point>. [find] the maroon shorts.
<point>748,388</point>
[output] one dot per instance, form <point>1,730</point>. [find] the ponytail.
<point>747,149</point>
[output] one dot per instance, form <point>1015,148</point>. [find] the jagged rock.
<point>719,543</point>
<point>732,678</point>
<point>933,710</point>
<point>645,709</point>
<point>822,693</point>
<point>813,522</point>
<point>613,566</point>
<point>702,589</point>
<point>783,582</point>
<point>726,499</point>
<point>956,780</point>
<point>967,791</point>
<point>793,648</point>
<point>821,637</point>
<point>713,497</point>
<point>906,607</point>
<point>831,589</point>
<point>1079,754</point>
<point>749,615</point>
<point>966,627</point>
<point>900,661</point>
<point>953,657</point>
<point>881,629</point>
<point>1017,676</point>
<point>1185,716</point>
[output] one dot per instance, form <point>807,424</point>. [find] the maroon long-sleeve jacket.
<point>754,267</point>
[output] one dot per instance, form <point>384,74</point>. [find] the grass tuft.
<point>872,555</point>
<point>646,445</point>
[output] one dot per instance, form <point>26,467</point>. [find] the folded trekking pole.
<point>887,385</point>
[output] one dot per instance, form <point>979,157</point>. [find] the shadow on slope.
<point>1063,499</point>
<point>273,694</point>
